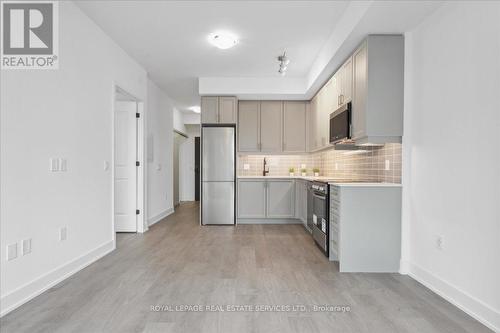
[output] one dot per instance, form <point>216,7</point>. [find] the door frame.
<point>141,225</point>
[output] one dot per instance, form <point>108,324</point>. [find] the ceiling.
<point>169,39</point>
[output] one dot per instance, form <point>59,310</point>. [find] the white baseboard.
<point>404,267</point>
<point>34,288</point>
<point>474,307</point>
<point>159,217</point>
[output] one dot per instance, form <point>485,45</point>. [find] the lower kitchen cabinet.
<point>266,201</point>
<point>280,199</point>
<point>251,198</point>
<point>365,228</point>
<point>301,200</point>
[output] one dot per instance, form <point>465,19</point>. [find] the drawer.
<point>334,210</point>
<point>334,253</point>
<point>334,233</point>
<point>334,192</point>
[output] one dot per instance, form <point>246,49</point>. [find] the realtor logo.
<point>29,35</point>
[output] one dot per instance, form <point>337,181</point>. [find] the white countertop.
<point>328,180</point>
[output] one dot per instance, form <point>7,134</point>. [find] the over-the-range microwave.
<point>340,124</point>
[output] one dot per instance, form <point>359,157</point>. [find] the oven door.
<point>320,221</point>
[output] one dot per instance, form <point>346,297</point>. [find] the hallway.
<point>178,263</point>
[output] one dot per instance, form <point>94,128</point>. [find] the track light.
<point>284,61</point>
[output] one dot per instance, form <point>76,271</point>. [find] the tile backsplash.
<point>370,164</point>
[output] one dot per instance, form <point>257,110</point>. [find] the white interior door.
<point>125,181</point>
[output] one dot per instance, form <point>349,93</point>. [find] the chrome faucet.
<point>264,171</point>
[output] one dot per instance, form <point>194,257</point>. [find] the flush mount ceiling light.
<point>284,61</point>
<point>223,39</point>
<point>195,109</point>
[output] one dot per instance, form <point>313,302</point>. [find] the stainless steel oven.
<point>320,216</point>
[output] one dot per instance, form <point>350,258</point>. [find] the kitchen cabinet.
<point>294,126</point>
<point>263,200</point>
<point>218,110</point>
<point>227,110</point>
<point>301,200</point>
<point>343,80</point>
<point>320,116</point>
<point>313,110</point>
<point>249,126</point>
<point>280,198</point>
<point>209,109</point>
<point>251,198</point>
<point>270,126</point>
<point>368,239</point>
<point>377,90</point>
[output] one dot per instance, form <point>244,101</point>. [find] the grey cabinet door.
<point>280,198</point>
<point>270,126</point>
<point>227,110</point>
<point>209,109</point>
<point>312,133</point>
<point>294,126</point>
<point>249,126</point>
<point>251,198</point>
<point>346,84</point>
<point>360,77</point>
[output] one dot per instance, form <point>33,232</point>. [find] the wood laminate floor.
<point>178,263</point>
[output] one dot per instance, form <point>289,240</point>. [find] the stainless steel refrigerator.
<point>218,161</point>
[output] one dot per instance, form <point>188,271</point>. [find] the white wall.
<point>451,171</point>
<point>160,116</point>
<point>179,121</point>
<point>186,164</point>
<point>60,113</point>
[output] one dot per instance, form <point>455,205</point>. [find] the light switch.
<point>62,164</point>
<point>62,234</point>
<point>246,166</point>
<point>12,251</point>
<point>26,246</point>
<point>53,164</point>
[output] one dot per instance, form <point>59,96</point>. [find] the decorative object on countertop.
<point>316,172</point>
<point>291,171</point>
<point>303,172</point>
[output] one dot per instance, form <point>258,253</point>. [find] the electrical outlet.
<point>62,234</point>
<point>12,251</point>
<point>26,246</point>
<point>439,242</point>
<point>246,166</point>
<point>387,165</point>
<point>53,164</point>
<point>63,164</point>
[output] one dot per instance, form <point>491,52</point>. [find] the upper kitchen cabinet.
<point>249,126</point>
<point>209,109</point>
<point>344,92</point>
<point>294,127</point>
<point>270,126</point>
<point>377,96</point>
<point>218,110</point>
